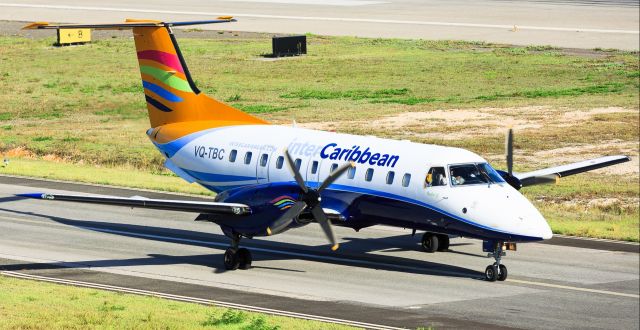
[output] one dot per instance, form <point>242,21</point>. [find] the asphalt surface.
<point>378,275</point>
<point>566,23</point>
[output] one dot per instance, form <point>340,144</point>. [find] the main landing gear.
<point>235,257</point>
<point>432,242</point>
<point>497,271</point>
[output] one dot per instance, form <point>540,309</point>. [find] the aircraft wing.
<point>551,174</point>
<point>158,204</point>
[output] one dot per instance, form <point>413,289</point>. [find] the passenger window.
<point>314,167</point>
<point>436,177</point>
<point>298,162</point>
<point>247,157</point>
<point>263,160</point>
<point>279,162</point>
<point>351,172</point>
<point>390,176</point>
<point>406,179</point>
<point>334,166</point>
<point>232,155</point>
<point>369,175</point>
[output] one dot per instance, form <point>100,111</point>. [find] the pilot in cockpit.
<point>436,177</point>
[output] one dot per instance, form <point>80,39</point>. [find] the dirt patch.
<point>569,118</point>
<point>571,154</point>
<point>608,204</point>
<point>18,152</point>
<point>454,124</point>
<point>53,158</point>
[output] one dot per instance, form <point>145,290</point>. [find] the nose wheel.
<point>237,258</point>
<point>497,271</point>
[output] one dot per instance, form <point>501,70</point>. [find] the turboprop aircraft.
<point>270,178</point>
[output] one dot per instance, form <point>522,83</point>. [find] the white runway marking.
<point>340,3</point>
<point>557,286</point>
<point>327,19</point>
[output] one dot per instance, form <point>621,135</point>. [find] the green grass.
<point>26,304</point>
<point>359,78</point>
<point>345,82</point>
<point>115,176</point>
<point>591,205</point>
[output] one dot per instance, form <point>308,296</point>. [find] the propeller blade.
<point>335,175</point>
<point>509,151</point>
<point>325,224</point>
<point>296,172</point>
<point>286,218</point>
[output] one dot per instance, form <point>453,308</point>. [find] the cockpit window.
<point>491,172</point>
<point>468,174</point>
<point>436,177</point>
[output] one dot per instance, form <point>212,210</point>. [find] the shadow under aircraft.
<point>355,252</point>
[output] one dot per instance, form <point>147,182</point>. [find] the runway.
<point>378,276</point>
<point>568,23</point>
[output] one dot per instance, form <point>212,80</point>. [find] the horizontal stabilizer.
<point>158,204</point>
<point>129,24</point>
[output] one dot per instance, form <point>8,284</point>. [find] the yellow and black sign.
<point>73,36</point>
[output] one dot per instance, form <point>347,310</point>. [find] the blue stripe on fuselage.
<point>212,177</point>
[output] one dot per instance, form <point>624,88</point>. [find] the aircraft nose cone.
<point>536,223</point>
<point>545,230</point>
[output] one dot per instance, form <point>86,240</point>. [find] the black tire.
<point>502,274</point>
<point>231,261</point>
<point>430,242</point>
<point>443,242</point>
<point>491,273</point>
<point>244,258</point>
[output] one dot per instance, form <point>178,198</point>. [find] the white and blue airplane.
<point>270,178</point>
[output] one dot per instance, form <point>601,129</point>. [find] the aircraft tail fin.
<point>170,92</point>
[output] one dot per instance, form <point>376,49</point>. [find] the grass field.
<point>26,304</point>
<point>564,105</point>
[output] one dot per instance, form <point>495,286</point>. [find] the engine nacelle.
<point>267,201</point>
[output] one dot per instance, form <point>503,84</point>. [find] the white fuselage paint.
<point>498,207</point>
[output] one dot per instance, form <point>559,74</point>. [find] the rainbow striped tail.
<point>171,95</point>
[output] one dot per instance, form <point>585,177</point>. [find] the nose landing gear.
<point>497,271</point>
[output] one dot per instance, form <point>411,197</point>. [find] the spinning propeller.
<point>309,200</point>
<point>513,180</point>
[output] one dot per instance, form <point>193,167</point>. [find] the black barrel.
<point>289,46</point>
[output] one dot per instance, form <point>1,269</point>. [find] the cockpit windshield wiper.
<point>485,174</point>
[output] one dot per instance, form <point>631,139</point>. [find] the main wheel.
<point>430,242</point>
<point>231,261</point>
<point>443,242</point>
<point>491,273</point>
<point>244,258</point>
<point>502,274</point>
